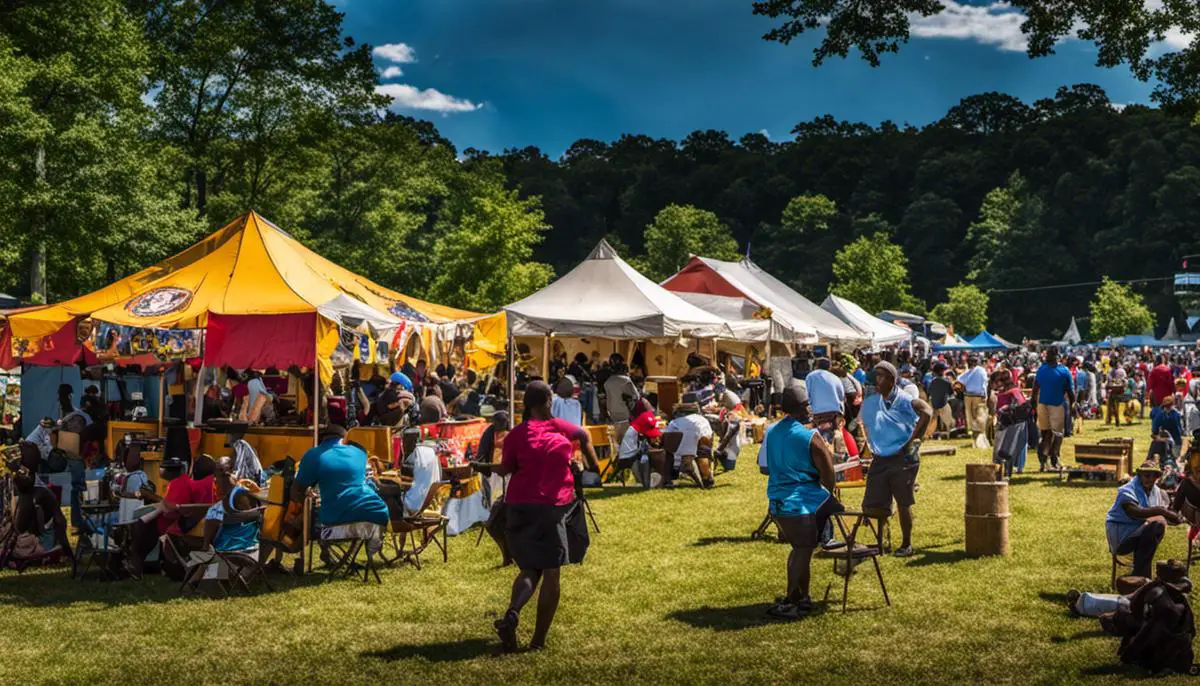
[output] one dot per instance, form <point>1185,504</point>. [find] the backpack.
<point>1160,629</point>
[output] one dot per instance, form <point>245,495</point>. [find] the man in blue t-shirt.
<point>339,471</point>
<point>1054,395</point>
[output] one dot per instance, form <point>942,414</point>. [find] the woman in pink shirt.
<point>1012,417</point>
<point>546,528</point>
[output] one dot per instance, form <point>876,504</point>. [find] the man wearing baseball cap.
<point>393,403</point>
<point>643,431</point>
<point>894,423</point>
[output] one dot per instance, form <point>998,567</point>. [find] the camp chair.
<point>670,443</point>
<point>229,567</point>
<point>429,521</point>
<point>613,469</point>
<point>852,554</point>
<point>344,542</point>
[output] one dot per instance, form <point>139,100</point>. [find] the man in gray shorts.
<point>894,423</point>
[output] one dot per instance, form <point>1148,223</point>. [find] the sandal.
<point>506,628</point>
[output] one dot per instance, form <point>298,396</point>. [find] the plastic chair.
<point>852,554</point>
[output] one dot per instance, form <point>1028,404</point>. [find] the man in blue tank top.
<point>894,423</point>
<point>800,485</point>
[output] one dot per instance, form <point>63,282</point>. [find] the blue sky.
<point>495,74</point>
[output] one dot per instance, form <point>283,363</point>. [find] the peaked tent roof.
<point>987,340</point>
<point>745,279</point>
<point>1072,337</point>
<point>604,296</point>
<point>743,317</point>
<point>881,332</point>
<point>250,266</point>
<point>1172,333</point>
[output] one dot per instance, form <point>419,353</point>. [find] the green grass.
<point>672,591</point>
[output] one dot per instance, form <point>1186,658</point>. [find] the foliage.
<point>680,231</point>
<point>1124,32</point>
<point>965,309</point>
<point>1118,311</point>
<point>873,272</point>
<point>485,259</point>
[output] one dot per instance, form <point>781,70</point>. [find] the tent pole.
<point>767,373</point>
<point>316,402</point>
<point>546,359</point>
<point>512,381</point>
<point>162,387</point>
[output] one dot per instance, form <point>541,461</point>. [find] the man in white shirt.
<point>694,455</point>
<point>975,385</point>
<point>40,436</point>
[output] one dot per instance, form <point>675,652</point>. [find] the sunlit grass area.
<point>673,590</point>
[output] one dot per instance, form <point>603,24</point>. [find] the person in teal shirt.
<point>339,471</point>
<point>800,485</point>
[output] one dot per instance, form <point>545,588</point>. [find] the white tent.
<point>745,279</point>
<point>1071,337</point>
<point>1172,333</point>
<point>605,297</point>
<point>879,331</point>
<point>745,318</point>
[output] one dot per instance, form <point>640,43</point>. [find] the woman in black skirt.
<point>546,528</point>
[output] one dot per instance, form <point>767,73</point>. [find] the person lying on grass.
<point>800,485</point>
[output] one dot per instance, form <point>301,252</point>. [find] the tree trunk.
<point>37,268</point>
<point>201,191</point>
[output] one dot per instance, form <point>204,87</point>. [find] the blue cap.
<point>402,379</point>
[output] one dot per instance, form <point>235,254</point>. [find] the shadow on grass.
<point>450,651</point>
<point>928,557</point>
<point>731,618</point>
<point>1056,598</point>
<point>1094,633</point>
<point>717,540</point>
<point>1082,483</point>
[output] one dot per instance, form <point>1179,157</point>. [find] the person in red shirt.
<point>1160,383</point>
<point>545,528</point>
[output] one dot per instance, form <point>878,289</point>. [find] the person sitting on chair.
<point>40,436</point>
<point>36,507</point>
<point>392,405</point>
<point>339,471</point>
<point>229,535</point>
<point>693,459</point>
<point>145,534</point>
<point>564,405</point>
<point>433,408</point>
<point>1136,522</point>
<point>800,488</point>
<point>633,452</point>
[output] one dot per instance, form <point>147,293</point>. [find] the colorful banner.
<point>113,341</point>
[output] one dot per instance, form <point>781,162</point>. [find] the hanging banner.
<point>113,341</point>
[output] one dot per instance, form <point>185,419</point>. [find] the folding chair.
<point>1191,515</point>
<point>852,554</point>
<point>344,542</point>
<point>229,567</point>
<point>670,444</point>
<point>428,521</point>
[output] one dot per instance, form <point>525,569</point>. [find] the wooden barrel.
<point>987,512</point>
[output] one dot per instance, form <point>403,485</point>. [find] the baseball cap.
<point>646,425</point>
<point>402,379</point>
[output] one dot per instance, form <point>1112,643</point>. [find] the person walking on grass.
<point>546,528</point>
<point>894,423</point>
<point>1054,396</point>
<point>800,497</point>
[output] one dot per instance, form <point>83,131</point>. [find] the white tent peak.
<point>1072,337</point>
<point>1172,333</point>
<point>603,251</point>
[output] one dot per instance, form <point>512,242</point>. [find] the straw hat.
<point>1150,466</point>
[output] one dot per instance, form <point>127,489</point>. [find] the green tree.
<point>680,231</point>
<point>807,215</point>
<point>873,272</point>
<point>965,308</point>
<point>1123,32</point>
<point>1118,311</point>
<point>82,189</point>
<point>485,261</point>
<point>804,235</point>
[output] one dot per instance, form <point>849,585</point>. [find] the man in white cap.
<point>894,423</point>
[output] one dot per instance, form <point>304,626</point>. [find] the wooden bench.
<point>1110,459</point>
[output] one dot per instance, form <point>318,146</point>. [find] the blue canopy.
<point>986,341</point>
<point>1144,341</point>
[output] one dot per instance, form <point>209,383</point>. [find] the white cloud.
<point>396,52</point>
<point>391,72</point>
<point>766,134</point>
<point>995,24</point>
<point>410,97</point>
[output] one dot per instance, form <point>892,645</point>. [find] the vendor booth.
<point>252,297</point>
<point>880,333</point>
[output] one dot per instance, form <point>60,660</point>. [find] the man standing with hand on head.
<point>894,423</point>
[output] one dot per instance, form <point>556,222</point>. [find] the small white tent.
<point>605,297</point>
<point>879,331</point>
<point>1071,337</point>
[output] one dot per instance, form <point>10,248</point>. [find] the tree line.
<point>130,128</point>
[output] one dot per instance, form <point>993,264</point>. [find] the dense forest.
<point>130,128</point>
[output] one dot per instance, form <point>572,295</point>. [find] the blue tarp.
<point>987,341</point>
<point>39,391</point>
<point>1144,341</point>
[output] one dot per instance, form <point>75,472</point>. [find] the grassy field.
<point>673,590</point>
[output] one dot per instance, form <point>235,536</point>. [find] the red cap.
<point>646,425</point>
